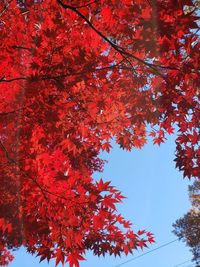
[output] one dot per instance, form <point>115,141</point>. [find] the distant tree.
<point>187,228</point>
<point>75,75</point>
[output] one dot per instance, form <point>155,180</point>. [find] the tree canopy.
<point>187,228</point>
<point>75,75</point>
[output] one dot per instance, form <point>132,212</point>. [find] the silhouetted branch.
<point>116,47</point>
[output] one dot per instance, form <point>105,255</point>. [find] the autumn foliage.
<point>74,75</point>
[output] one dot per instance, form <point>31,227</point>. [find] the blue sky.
<point>156,196</point>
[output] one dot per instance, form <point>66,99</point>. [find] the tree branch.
<point>61,76</point>
<point>21,47</point>
<point>86,5</point>
<point>5,9</point>
<point>13,79</point>
<point>116,47</point>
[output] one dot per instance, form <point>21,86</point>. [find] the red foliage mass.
<point>74,75</point>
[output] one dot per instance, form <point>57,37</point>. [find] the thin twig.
<point>86,5</point>
<point>60,76</point>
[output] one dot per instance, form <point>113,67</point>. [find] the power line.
<point>181,263</point>
<point>150,251</point>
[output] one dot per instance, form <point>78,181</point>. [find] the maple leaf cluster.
<point>74,76</point>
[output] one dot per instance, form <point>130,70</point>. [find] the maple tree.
<point>74,75</point>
